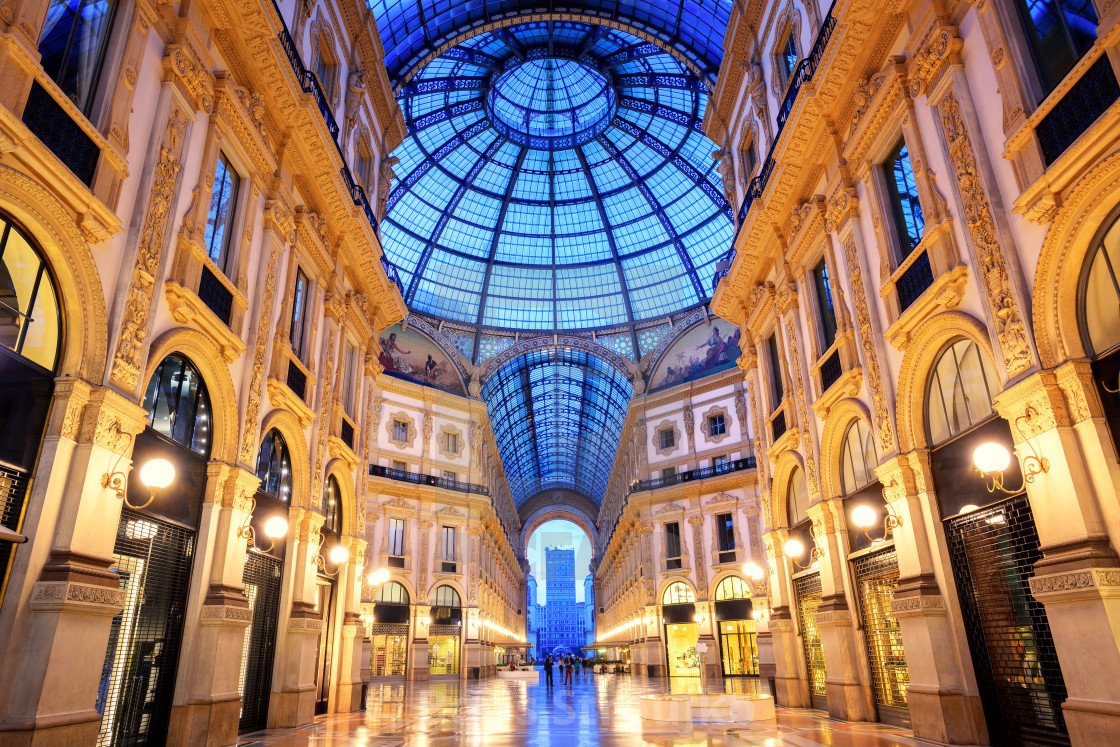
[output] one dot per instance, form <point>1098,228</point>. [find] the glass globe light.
<point>969,508</point>
<point>382,575</point>
<point>991,457</point>
<point>339,554</point>
<point>157,474</point>
<point>276,527</point>
<point>794,548</point>
<point>753,571</point>
<point>864,516</point>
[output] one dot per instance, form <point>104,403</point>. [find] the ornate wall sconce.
<point>155,475</point>
<point>274,528</point>
<point>753,571</point>
<point>866,517</point>
<point>338,555</point>
<point>991,459</point>
<point>378,577</point>
<point>794,549</point>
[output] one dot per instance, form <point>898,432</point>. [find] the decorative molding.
<point>670,508</point>
<point>677,437</point>
<point>411,429</point>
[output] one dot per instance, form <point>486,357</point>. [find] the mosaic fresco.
<point>407,354</point>
<point>707,348</point>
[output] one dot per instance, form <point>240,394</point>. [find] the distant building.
<point>561,620</point>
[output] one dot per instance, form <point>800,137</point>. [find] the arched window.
<point>332,507</point>
<point>395,593</point>
<point>797,498</point>
<point>857,457</point>
<point>732,587</point>
<point>445,596</point>
<point>960,394</point>
<point>178,405</point>
<point>1100,295</point>
<point>274,467</point>
<point>678,592</point>
<point>29,316</point>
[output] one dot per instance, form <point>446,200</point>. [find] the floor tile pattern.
<point>597,710</point>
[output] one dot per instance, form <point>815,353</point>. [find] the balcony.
<point>49,122</point>
<point>736,465</point>
<point>778,426</point>
<point>1082,105</point>
<point>914,281</point>
<point>416,478</point>
<point>831,370</point>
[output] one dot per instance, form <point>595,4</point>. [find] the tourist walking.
<point>568,669</point>
<point>548,671</point>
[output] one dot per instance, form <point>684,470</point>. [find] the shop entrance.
<point>876,578</point>
<point>808,589</point>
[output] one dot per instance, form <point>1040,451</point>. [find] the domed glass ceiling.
<point>555,178</point>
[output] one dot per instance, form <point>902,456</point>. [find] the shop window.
<point>332,507</point>
<point>178,405</point>
<point>1100,295</point>
<point>776,393</point>
<point>960,393</point>
<point>678,592</point>
<point>716,425</point>
<point>1059,33</point>
<point>223,205</point>
<point>857,457</point>
<point>902,189</point>
<point>297,331</point>
<point>274,467</point>
<point>824,305</point>
<point>797,498</point>
<point>732,587</point>
<point>72,46</point>
<point>29,314</point>
<point>446,596</point>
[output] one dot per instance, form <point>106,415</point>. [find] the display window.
<point>680,638</point>
<point>738,647</point>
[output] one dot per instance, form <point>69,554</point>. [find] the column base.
<point>291,709</point>
<point>946,717</point>
<point>849,701</point>
<point>1091,722</point>
<point>74,733</point>
<point>349,697</point>
<point>213,724</point>
<point>791,692</point>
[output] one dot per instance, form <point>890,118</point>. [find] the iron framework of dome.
<point>555,179</point>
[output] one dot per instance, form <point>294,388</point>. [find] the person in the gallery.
<point>548,671</point>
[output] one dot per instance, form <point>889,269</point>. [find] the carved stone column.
<point>61,591</point>
<point>208,705</point>
<point>1056,417</point>
<point>348,690</point>
<point>418,654</point>
<point>293,689</point>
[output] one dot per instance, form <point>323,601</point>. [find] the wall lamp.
<point>794,549</point>
<point>155,475</point>
<point>753,571</point>
<point>274,528</point>
<point>378,577</point>
<point>338,555</point>
<point>991,459</point>
<point>866,517</point>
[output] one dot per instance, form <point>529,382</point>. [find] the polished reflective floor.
<point>595,710</point>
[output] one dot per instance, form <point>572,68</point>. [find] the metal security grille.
<point>153,559</point>
<point>877,578</point>
<point>443,649</point>
<point>390,650</point>
<point>993,552</point>
<point>808,600</point>
<point>13,488</point>
<point>262,586</point>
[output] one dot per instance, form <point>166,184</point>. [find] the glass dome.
<point>555,178</point>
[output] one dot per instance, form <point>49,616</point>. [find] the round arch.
<point>669,582</point>
<point>341,472</point>
<point>204,354</point>
<point>842,414</point>
<point>925,345</point>
<point>451,584</point>
<point>562,514</point>
<point>1072,233</point>
<point>723,576</point>
<point>287,425</point>
<point>85,325</point>
<point>779,486</point>
<point>403,580</point>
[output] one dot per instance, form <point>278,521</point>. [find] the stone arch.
<point>564,514</point>
<point>207,358</point>
<point>1073,232</point>
<point>669,582</point>
<point>287,425</point>
<point>456,585</point>
<point>345,478</point>
<point>779,486</point>
<point>724,575</point>
<point>85,324</point>
<point>842,414</point>
<point>401,577</point>
<point>925,345</point>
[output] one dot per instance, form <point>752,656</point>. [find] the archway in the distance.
<point>561,604</point>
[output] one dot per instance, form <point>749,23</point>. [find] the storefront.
<point>326,592</point>
<point>445,633</point>
<point>389,631</point>
<point>807,588</point>
<point>152,555</point>
<point>681,631</point>
<point>738,644</point>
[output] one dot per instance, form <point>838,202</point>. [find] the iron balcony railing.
<point>416,478</point>
<point>804,73</point>
<point>309,83</point>
<point>735,465</point>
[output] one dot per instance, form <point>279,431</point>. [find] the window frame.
<point>397,423</point>
<point>390,544</point>
<point>43,275</point>
<point>722,424</point>
<point>1017,20</point>
<point>988,381</point>
<point>350,379</point>
<point>297,323</point>
<point>725,530</point>
<point>673,533</point>
<point>332,511</point>
<point>227,249</point>
<point>661,437</point>
<point>777,387</point>
<point>826,305</point>
<point>90,108</point>
<point>903,244</point>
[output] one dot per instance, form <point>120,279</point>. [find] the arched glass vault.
<point>555,178</point>
<point>557,415</point>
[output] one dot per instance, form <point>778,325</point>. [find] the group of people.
<point>570,665</point>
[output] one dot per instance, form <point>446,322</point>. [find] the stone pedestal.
<point>849,696</point>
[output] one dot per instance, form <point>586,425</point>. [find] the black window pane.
<point>775,373</point>
<point>824,301</point>
<point>72,45</point>
<point>1060,32</point>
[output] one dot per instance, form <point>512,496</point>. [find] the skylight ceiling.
<point>557,415</point>
<point>555,177</point>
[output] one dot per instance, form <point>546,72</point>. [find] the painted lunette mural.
<point>705,349</point>
<point>409,355</point>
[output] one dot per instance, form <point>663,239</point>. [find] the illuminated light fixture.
<point>753,571</point>
<point>426,621</point>
<point>378,577</point>
<point>865,517</point>
<point>794,549</point>
<point>275,528</point>
<point>969,508</point>
<point>992,459</point>
<point>156,474</point>
<point>337,555</point>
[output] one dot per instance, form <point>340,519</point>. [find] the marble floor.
<point>596,710</point>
